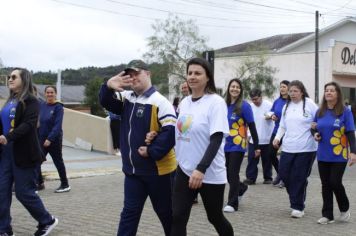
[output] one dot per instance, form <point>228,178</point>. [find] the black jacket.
<point>27,151</point>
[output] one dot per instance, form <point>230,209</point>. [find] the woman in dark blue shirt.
<point>51,134</point>
<point>276,114</point>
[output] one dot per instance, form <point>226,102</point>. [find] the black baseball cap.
<point>136,65</point>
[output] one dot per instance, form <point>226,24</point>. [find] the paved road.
<point>94,204</point>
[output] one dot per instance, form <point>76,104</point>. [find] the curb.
<point>53,175</point>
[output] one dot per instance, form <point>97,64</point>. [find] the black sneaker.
<point>62,189</point>
<point>249,182</point>
<point>40,187</point>
<point>195,201</point>
<point>242,191</point>
<point>267,181</point>
<point>44,230</point>
<point>9,233</point>
<point>276,181</point>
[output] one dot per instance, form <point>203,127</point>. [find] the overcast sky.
<point>46,35</point>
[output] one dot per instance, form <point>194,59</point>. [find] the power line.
<point>273,7</point>
<point>103,10</point>
<point>227,8</point>
<point>307,4</point>
<point>190,15</point>
<point>339,8</point>
<point>151,18</point>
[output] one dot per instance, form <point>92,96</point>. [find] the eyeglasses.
<point>13,77</point>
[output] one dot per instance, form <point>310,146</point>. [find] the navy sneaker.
<point>44,230</point>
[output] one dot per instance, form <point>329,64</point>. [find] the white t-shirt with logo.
<point>297,124</point>
<point>197,121</point>
<point>264,127</point>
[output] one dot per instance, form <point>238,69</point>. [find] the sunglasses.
<point>13,77</point>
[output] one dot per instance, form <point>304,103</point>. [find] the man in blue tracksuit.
<point>148,168</point>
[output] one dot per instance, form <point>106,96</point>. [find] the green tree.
<point>91,97</point>
<point>173,43</point>
<point>159,77</point>
<point>255,73</point>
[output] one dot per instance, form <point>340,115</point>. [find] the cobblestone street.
<point>93,206</point>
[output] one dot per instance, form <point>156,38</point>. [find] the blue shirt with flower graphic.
<point>333,146</point>
<point>237,140</point>
<point>8,116</point>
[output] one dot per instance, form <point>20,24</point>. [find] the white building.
<point>294,57</point>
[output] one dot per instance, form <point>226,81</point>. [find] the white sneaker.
<point>297,214</point>
<point>325,221</point>
<point>344,216</point>
<point>229,209</point>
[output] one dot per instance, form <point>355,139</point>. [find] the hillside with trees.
<point>82,76</point>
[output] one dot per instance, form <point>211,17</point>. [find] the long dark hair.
<point>27,86</point>
<point>339,106</point>
<point>210,86</point>
<point>238,102</point>
<point>285,82</point>
<point>299,85</point>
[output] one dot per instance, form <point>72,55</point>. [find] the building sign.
<point>344,58</point>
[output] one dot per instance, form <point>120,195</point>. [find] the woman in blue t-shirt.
<point>335,132</point>
<point>276,114</point>
<point>240,118</point>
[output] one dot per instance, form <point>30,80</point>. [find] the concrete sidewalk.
<point>81,163</point>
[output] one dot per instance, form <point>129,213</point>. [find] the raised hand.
<point>119,81</point>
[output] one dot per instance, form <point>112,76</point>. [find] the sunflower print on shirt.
<point>339,141</point>
<point>239,133</point>
<point>12,117</point>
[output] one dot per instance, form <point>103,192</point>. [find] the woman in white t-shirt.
<point>200,131</point>
<point>298,147</point>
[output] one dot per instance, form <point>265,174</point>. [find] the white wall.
<point>345,33</point>
<point>290,66</point>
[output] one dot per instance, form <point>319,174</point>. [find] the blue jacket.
<point>139,115</point>
<point>51,119</point>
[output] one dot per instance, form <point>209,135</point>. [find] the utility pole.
<point>317,57</point>
<point>59,86</point>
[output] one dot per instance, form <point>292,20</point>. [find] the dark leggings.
<point>55,150</point>
<point>273,153</point>
<point>331,183</point>
<point>115,133</point>
<point>213,198</point>
<point>233,166</point>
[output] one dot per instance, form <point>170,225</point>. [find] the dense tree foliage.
<point>254,72</point>
<point>173,43</point>
<point>91,97</point>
